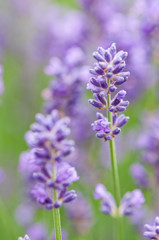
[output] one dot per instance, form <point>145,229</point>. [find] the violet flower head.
<point>110,65</point>
<point>37,231</point>
<point>102,126</point>
<point>49,133</point>
<point>27,210</point>
<point>69,78</point>
<point>80,214</point>
<point>26,237</point>
<point>152,232</point>
<point>108,205</point>
<point>107,75</point>
<point>46,168</point>
<point>131,200</point>
<point>139,175</point>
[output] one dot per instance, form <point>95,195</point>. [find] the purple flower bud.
<point>117,60</point>
<point>95,103</point>
<point>102,82</point>
<point>98,56</point>
<point>95,82</point>
<point>112,88</point>
<point>131,201</point>
<point>108,205</point>
<point>70,196</point>
<point>103,65</point>
<point>40,194</point>
<point>121,120</point>
<point>101,97</point>
<point>26,237</point>
<point>57,204</point>
<point>119,80</point>
<point>101,126</point>
<point>107,56</point>
<point>119,68</point>
<point>92,71</point>
<point>139,174</point>
<point>118,97</point>
<point>152,232</point>
<point>99,71</point>
<point>39,176</point>
<point>65,174</point>
<point>120,108</point>
<point>116,131</point>
<point>112,50</point>
<point>109,74</point>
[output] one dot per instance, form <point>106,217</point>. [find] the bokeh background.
<point>31,32</point>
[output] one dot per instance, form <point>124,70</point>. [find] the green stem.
<point>113,158</point>
<point>114,169</point>
<point>56,212</point>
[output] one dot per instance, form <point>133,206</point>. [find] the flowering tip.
<point>26,237</point>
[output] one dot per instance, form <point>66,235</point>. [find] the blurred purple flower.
<point>80,214</point>
<point>139,175</point>
<point>131,201</point>
<point>152,232</point>
<point>37,232</point>
<point>26,237</point>
<point>71,75</point>
<point>49,147</point>
<point>108,205</point>
<point>27,210</point>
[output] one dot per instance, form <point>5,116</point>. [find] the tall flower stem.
<point>114,168</point>
<point>56,212</point>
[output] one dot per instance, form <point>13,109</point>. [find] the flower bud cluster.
<point>25,238</point>
<point>107,75</point>
<point>102,126</point>
<point>129,203</point>
<point>152,232</point>
<point>66,88</point>
<point>44,162</point>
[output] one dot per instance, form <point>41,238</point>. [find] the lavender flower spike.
<point>107,75</point>
<point>131,201</point>
<point>45,161</point>
<point>25,238</point>
<point>108,205</point>
<point>152,232</point>
<point>110,65</point>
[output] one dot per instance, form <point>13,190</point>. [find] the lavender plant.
<point>108,74</point>
<point>51,176</point>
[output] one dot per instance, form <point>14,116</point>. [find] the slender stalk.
<point>114,170</point>
<point>113,158</point>
<point>56,212</point>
